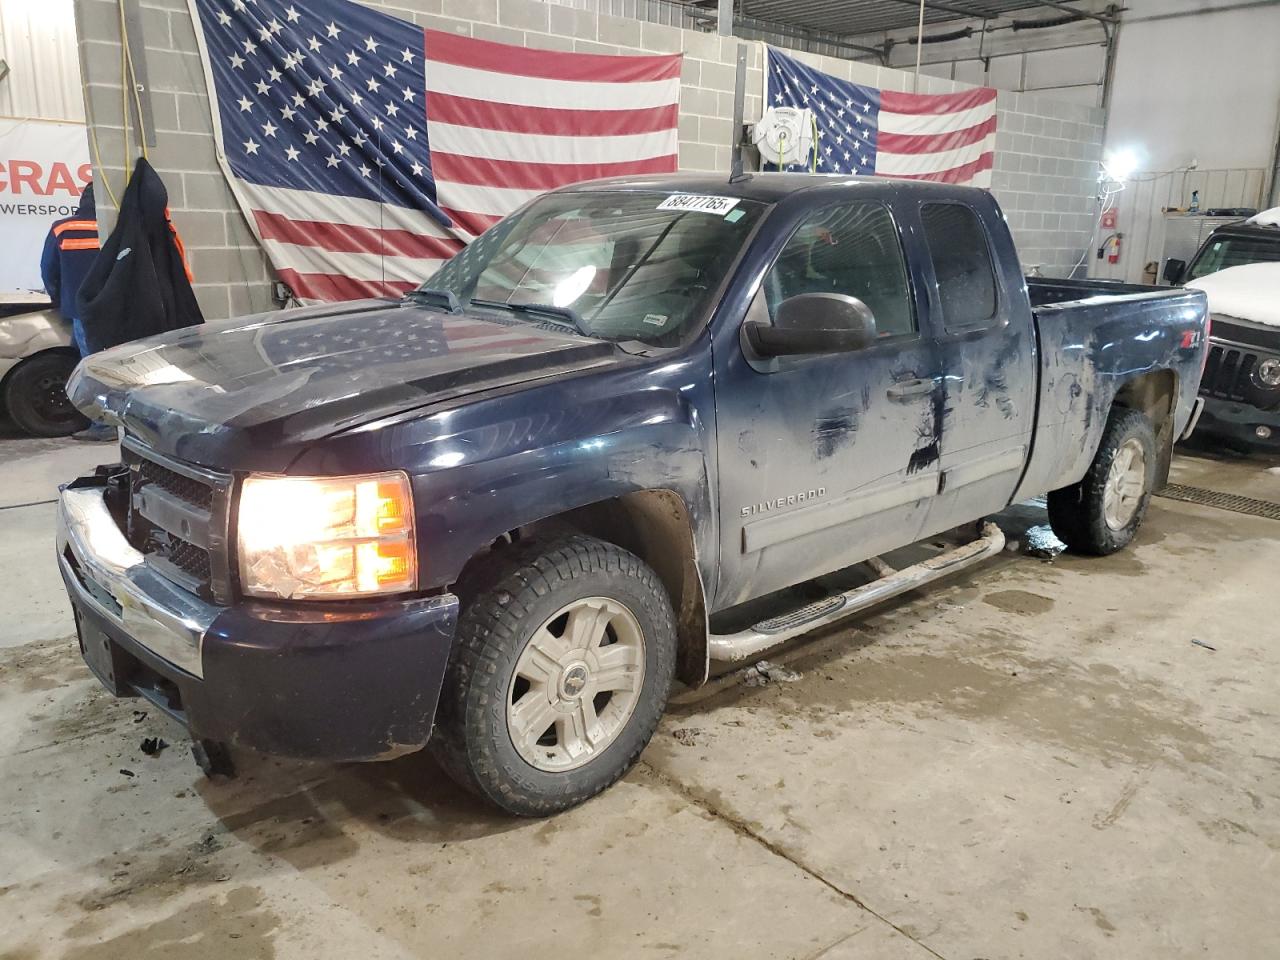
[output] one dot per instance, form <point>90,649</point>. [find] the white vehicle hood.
<point>1267,218</point>
<point>1249,292</point>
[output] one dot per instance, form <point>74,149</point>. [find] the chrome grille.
<point>192,491</point>
<point>177,518</point>
<point>193,561</point>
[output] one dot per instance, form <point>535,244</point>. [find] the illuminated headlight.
<point>1268,372</point>
<point>326,537</point>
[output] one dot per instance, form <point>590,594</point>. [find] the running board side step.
<point>769,633</point>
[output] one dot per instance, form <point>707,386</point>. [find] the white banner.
<point>43,169</point>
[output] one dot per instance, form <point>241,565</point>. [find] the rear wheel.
<point>36,396</point>
<point>559,675</point>
<point>1102,513</point>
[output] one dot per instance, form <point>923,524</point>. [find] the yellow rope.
<point>97,156</point>
<point>128,79</point>
<point>124,91</point>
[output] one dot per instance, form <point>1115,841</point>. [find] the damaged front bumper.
<point>327,681</point>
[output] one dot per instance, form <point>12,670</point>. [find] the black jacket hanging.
<point>139,284</point>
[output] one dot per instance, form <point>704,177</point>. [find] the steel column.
<point>739,110</point>
<point>724,17</point>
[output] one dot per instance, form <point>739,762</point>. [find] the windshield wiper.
<point>563,316</point>
<point>436,298</point>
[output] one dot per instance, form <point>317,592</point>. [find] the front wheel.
<point>559,676</point>
<point>36,396</point>
<point>1102,513</point>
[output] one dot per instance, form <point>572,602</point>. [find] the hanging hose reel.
<point>784,135</point>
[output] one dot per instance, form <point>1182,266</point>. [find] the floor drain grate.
<point>1223,501</point>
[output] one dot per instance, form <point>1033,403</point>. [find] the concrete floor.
<point>1031,761</point>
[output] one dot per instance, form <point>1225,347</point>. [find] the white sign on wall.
<point>43,169</point>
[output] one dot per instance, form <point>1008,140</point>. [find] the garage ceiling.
<point>854,17</point>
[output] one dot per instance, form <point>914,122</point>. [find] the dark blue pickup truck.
<point>504,513</point>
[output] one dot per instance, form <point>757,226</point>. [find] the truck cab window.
<point>962,264</point>
<point>851,249</point>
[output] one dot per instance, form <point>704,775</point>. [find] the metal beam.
<point>973,12</point>
<point>1109,73</point>
<point>973,58</point>
<point>787,30</point>
<point>1067,8</point>
<point>978,14</point>
<point>140,102</point>
<point>1203,11</point>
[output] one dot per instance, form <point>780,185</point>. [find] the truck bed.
<point>1045,291</point>
<point>1092,336</point>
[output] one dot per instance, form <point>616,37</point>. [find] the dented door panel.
<point>819,468</point>
<point>824,460</point>
<point>988,388</point>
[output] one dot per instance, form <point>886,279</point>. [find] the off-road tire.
<point>1077,512</point>
<point>26,396</point>
<point>518,589</point>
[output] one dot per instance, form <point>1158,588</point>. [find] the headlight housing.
<point>326,537</point>
<point>1268,372</point>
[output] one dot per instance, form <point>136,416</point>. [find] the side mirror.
<point>814,323</point>
<point>1173,270</point>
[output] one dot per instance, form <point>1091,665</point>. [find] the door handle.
<point>908,389</point>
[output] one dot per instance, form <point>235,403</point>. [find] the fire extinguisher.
<point>1111,248</point>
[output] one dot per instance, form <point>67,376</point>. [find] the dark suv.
<point>1241,382</point>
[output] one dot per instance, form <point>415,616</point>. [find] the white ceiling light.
<point>1120,164</point>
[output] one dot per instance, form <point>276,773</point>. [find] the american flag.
<point>364,150</point>
<point>949,137</point>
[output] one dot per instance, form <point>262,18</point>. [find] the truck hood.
<point>250,393</point>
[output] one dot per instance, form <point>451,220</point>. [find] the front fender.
<point>500,462</point>
<point>463,512</point>
<point>29,333</point>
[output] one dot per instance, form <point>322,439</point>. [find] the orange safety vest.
<point>77,235</point>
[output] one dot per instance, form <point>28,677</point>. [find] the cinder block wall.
<point>1045,159</point>
<point>1046,177</point>
<point>232,274</point>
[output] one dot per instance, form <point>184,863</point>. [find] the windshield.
<point>618,266</point>
<point>1234,252</point>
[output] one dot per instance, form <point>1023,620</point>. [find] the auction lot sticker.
<point>698,203</point>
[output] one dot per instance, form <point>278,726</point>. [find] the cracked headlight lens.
<point>326,537</point>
